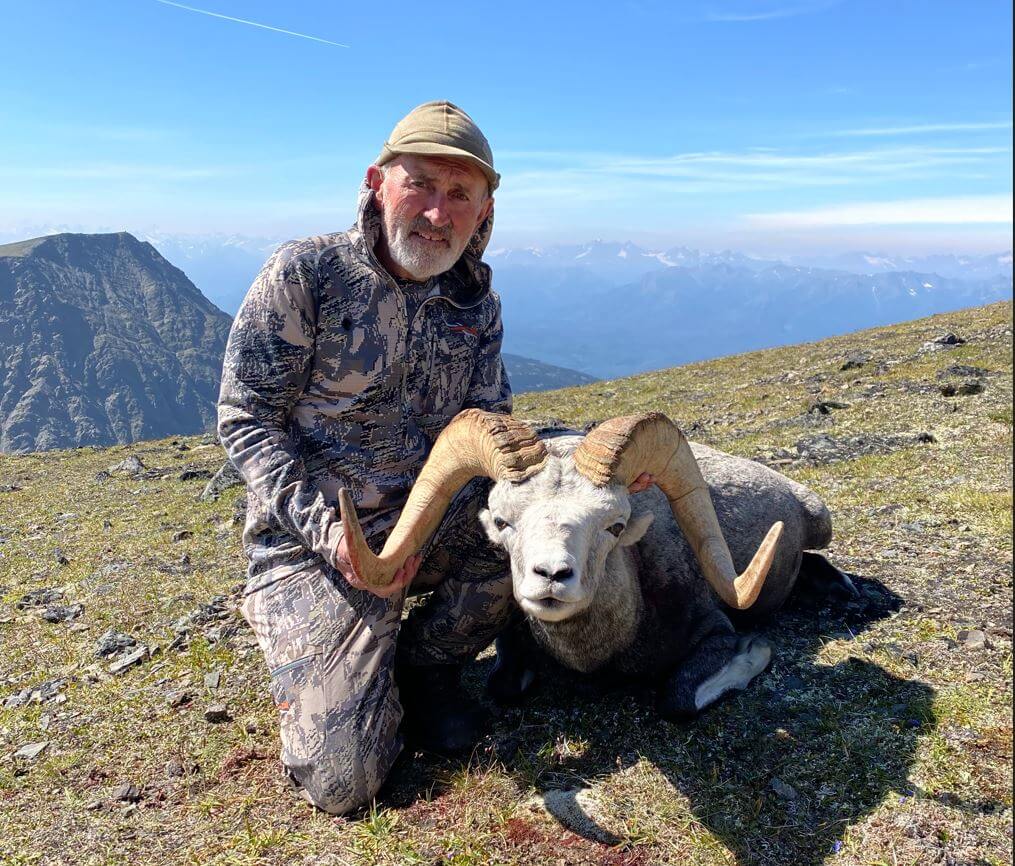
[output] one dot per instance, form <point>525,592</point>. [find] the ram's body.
<point>646,609</point>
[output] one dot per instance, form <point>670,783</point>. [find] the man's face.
<point>430,208</point>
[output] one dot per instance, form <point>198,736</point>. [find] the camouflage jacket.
<point>337,375</point>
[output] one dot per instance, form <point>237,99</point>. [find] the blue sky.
<point>770,126</point>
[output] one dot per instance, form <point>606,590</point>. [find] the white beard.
<point>417,256</point>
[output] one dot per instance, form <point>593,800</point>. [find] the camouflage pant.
<point>331,652</point>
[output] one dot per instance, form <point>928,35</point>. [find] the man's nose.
<point>437,210</point>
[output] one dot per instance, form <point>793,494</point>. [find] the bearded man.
<point>350,353</point>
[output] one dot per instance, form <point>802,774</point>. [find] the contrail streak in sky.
<point>251,23</point>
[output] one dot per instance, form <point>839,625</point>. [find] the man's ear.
<point>486,210</point>
<point>636,529</point>
<point>375,178</point>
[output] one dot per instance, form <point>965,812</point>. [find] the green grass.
<point>897,741</point>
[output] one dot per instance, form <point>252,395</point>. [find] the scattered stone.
<point>112,642</point>
<point>131,466</point>
<point>823,449</point>
<point>191,474</point>
<point>213,679</point>
<point>128,661</point>
<point>215,610</point>
<point>43,693</point>
<point>127,793</point>
<point>250,726</point>
<point>31,751</point>
<point>182,535</point>
<point>79,626</point>
<point>60,557</point>
<point>855,360</point>
<point>825,407</point>
<point>781,789</point>
<point>178,699</point>
<point>972,638</point>
<point>965,371</point>
<point>226,478</point>
<point>219,633</point>
<point>174,768</point>
<point>94,806</point>
<point>9,488</point>
<point>948,339</point>
<point>38,598</point>
<point>217,713</point>
<point>62,612</point>
<point>240,510</point>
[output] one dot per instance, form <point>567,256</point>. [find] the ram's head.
<point>554,538</point>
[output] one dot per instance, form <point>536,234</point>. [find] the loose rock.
<point>129,660</point>
<point>127,793</point>
<point>782,789</point>
<point>972,638</point>
<point>217,713</point>
<point>31,751</point>
<point>112,642</point>
<point>62,612</point>
<point>131,466</point>
<point>38,598</point>
<point>226,478</point>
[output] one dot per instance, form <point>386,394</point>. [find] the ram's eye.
<point>616,529</point>
<point>500,523</point>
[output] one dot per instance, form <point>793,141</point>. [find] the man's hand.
<point>403,577</point>
<point>642,482</point>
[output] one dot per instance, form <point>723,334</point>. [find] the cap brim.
<point>427,148</point>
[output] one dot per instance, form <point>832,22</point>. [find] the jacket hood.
<point>468,280</point>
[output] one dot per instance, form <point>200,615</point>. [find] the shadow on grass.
<point>776,772</point>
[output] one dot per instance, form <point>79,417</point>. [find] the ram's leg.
<point>722,662</point>
<point>513,673</point>
<point>819,577</point>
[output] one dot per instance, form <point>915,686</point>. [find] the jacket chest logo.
<point>463,329</point>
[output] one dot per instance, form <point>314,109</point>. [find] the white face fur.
<point>558,529</point>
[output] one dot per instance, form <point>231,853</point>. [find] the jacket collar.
<point>465,284</point>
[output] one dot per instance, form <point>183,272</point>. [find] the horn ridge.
<point>620,449</point>
<point>474,443</point>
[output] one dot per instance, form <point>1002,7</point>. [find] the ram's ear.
<point>636,529</point>
<point>492,532</point>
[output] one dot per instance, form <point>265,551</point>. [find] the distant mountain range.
<point>102,340</point>
<point>612,309</point>
<point>105,341</point>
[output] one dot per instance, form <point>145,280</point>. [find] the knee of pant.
<point>338,787</point>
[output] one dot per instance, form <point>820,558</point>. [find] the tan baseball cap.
<point>441,129</point>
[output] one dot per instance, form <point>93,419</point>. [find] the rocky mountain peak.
<point>102,340</point>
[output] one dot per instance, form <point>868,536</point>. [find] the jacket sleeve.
<point>489,388</point>
<point>267,364</point>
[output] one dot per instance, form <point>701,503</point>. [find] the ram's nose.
<point>554,571</point>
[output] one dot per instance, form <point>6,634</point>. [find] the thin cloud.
<point>771,14</point>
<point>251,23</point>
<point>953,210</point>
<point>919,128</point>
<point>594,173</point>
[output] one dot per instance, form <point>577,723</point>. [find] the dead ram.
<point>639,585</point>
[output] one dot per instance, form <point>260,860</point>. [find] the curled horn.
<point>474,443</point>
<point>620,449</point>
